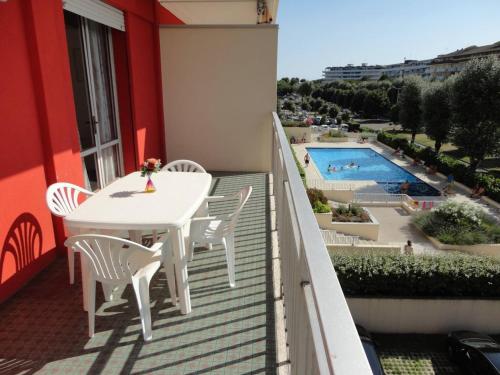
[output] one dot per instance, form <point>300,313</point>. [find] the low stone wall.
<point>344,196</point>
<point>366,230</point>
<point>479,249</point>
<point>392,315</point>
<point>298,133</point>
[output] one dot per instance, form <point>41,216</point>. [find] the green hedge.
<point>445,164</point>
<point>418,276</point>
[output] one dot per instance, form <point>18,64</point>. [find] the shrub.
<point>302,173</point>
<point>315,195</point>
<point>293,123</point>
<point>458,224</point>
<point>318,201</point>
<point>336,134</point>
<point>354,126</point>
<point>416,276</point>
<point>321,208</point>
<point>351,213</point>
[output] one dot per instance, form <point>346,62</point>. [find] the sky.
<point>314,34</point>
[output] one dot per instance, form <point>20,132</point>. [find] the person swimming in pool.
<point>331,168</point>
<point>351,165</point>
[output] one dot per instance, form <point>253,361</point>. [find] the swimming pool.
<point>372,166</point>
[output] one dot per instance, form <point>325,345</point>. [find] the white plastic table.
<point>123,205</point>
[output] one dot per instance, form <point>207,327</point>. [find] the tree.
<point>383,77</point>
<point>358,99</point>
<point>345,116</point>
<point>476,110</point>
<point>333,111</point>
<point>316,104</point>
<point>289,106</point>
<point>375,103</point>
<point>436,113</point>
<point>392,94</point>
<point>305,89</point>
<point>284,87</point>
<point>410,109</point>
<point>323,110</point>
<point>394,113</point>
<point>322,121</point>
<point>305,106</point>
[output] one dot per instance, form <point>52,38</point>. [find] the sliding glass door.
<point>94,89</point>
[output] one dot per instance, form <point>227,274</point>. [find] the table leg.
<point>135,236</point>
<point>169,265</point>
<point>181,273</point>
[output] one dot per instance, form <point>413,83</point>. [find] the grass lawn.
<point>492,164</point>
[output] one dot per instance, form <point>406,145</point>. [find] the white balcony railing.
<point>321,334</point>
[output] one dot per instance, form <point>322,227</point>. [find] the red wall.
<point>38,133</point>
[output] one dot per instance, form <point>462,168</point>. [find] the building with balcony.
<point>92,88</point>
<point>448,64</point>
<point>374,72</point>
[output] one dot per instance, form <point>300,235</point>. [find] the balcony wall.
<point>219,89</point>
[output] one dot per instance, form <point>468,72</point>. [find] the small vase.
<point>150,187</point>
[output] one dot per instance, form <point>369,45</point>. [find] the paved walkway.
<point>396,228</point>
<point>43,329</point>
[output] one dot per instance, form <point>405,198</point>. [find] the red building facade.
<point>39,137</point>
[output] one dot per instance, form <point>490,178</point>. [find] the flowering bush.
<point>461,214</point>
<point>459,223</point>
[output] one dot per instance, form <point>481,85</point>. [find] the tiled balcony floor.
<point>43,329</point>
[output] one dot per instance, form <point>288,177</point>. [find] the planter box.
<point>479,249</point>
<point>394,315</point>
<point>298,133</point>
<point>366,230</point>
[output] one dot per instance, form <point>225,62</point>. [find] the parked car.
<point>370,350</point>
<point>324,127</point>
<point>475,353</point>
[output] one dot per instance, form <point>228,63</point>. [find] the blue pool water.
<point>372,166</point>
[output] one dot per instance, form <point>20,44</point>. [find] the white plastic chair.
<point>219,229</point>
<point>115,261</point>
<point>183,166</point>
<point>62,198</point>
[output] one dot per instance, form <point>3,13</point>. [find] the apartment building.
<point>445,65</point>
<point>438,68</point>
<point>374,72</point>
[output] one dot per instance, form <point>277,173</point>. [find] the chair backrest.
<point>231,219</point>
<point>183,166</point>
<point>112,259</point>
<point>62,198</point>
